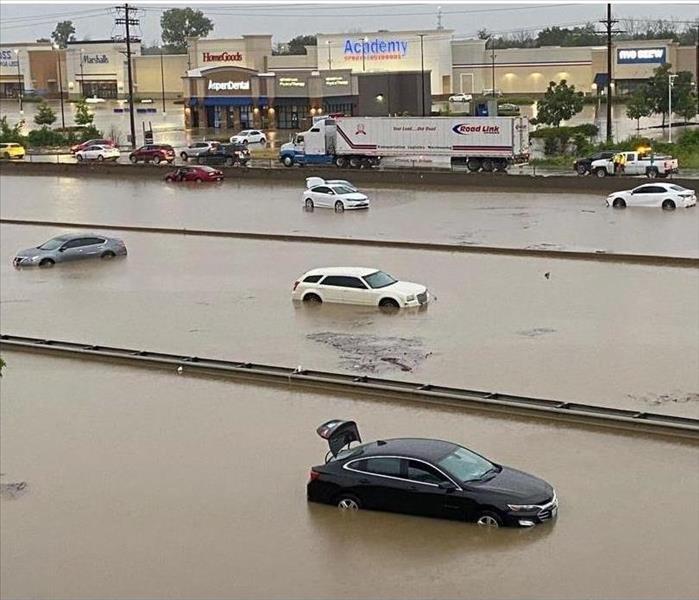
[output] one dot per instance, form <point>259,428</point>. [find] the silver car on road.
<point>71,246</point>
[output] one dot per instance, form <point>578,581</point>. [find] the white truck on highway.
<point>479,143</point>
<point>636,163</point>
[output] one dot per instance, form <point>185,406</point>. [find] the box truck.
<point>479,143</point>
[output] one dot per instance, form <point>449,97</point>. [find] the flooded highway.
<point>498,324</point>
<point>522,220</point>
<point>143,484</point>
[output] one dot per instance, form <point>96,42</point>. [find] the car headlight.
<point>410,298</point>
<point>523,507</point>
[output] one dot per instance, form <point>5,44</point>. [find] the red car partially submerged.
<point>197,174</point>
<point>95,142</point>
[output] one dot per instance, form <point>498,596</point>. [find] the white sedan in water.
<point>659,195</point>
<point>97,152</point>
<point>334,195</point>
<point>358,285</point>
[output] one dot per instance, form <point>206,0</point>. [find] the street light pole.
<point>162,80</point>
<point>330,60</point>
<point>364,41</point>
<point>60,86</point>
<point>492,59</point>
<point>670,82</point>
<point>19,84</point>
<point>422,72</point>
<point>82,74</point>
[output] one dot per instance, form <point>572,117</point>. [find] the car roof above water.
<point>349,271</point>
<point>427,449</point>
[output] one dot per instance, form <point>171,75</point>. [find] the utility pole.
<point>127,21</point>
<point>60,84</point>
<point>162,80</point>
<point>670,83</point>
<point>492,60</point>
<point>422,72</point>
<point>609,27</point>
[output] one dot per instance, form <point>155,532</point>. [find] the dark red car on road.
<point>196,174</point>
<point>155,153</point>
<point>95,142</point>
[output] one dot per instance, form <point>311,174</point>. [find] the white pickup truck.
<point>636,163</point>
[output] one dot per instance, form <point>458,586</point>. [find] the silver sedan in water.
<point>71,246</point>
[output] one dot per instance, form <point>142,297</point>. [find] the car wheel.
<point>263,141</point>
<point>489,519</point>
<point>47,262</point>
<point>488,165</point>
<point>668,205</point>
<point>340,162</point>
<point>389,303</point>
<point>198,180</point>
<point>348,502</point>
<point>156,160</point>
<point>619,203</point>
<point>581,170</point>
<point>200,161</point>
<point>133,159</point>
<point>245,142</point>
<point>313,299</point>
<point>601,172</point>
<point>308,204</point>
<point>107,254</point>
<point>169,179</point>
<point>287,161</point>
<point>229,162</point>
<point>652,173</point>
<point>473,164</point>
<point>79,157</point>
<point>184,157</point>
<point>339,206</point>
<point>6,156</point>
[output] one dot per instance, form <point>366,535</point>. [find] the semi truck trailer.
<point>479,143</point>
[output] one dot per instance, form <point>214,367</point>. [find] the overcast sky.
<point>27,22</point>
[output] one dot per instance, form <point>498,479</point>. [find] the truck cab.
<point>315,146</point>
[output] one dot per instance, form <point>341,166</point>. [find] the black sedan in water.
<point>426,477</point>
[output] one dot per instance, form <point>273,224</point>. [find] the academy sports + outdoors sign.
<point>376,49</point>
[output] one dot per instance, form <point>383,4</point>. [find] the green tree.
<point>63,33</point>
<point>83,116</point>
<point>657,90</point>
<point>45,115</point>
<point>684,97</point>
<point>560,103</point>
<point>639,106</point>
<point>178,24</point>
<point>10,133</point>
<point>299,43</point>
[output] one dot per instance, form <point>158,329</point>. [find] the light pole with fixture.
<point>82,74</point>
<point>330,60</point>
<point>670,83</point>
<point>364,41</point>
<point>162,81</point>
<point>19,84</point>
<point>60,86</point>
<point>422,72</point>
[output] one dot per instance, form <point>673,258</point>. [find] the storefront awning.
<point>601,80</point>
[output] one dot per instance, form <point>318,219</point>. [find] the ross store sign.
<point>219,86</point>
<point>95,59</point>
<point>335,81</point>
<point>8,58</point>
<point>640,55</point>
<point>377,49</point>
<point>291,82</point>
<point>222,57</point>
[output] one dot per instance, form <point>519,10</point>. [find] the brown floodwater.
<point>449,215</point>
<point>606,334</point>
<point>146,484</point>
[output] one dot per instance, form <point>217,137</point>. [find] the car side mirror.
<point>447,486</point>
<point>61,249</point>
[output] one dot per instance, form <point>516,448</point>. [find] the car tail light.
<point>296,284</point>
<point>314,475</point>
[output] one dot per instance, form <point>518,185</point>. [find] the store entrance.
<point>100,89</point>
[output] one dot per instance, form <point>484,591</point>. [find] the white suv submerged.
<point>358,285</point>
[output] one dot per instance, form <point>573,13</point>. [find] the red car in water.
<point>95,142</point>
<point>197,174</point>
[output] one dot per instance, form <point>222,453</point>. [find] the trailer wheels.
<point>488,165</point>
<point>473,164</point>
<point>501,165</point>
<point>355,162</point>
<point>340,162</point>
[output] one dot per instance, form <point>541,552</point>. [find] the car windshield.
<point>341,189</point>
<point>466,465</point>
<point>379,280</point>
<point>53,244</point>
<point>207,168</point>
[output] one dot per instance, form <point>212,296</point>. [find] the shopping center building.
<point>233,83</point>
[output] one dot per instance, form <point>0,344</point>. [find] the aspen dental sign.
<point>376,49</point>
<point>630,56</point>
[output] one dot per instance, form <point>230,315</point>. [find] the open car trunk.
<point>339,434</point>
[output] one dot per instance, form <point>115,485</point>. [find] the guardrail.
<point>323,381</point>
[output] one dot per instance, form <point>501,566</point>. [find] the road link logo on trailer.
<point>466,128</point>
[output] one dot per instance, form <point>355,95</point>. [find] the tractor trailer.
<point>479,143</point>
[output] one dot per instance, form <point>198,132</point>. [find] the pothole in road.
<point>374,354</point>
